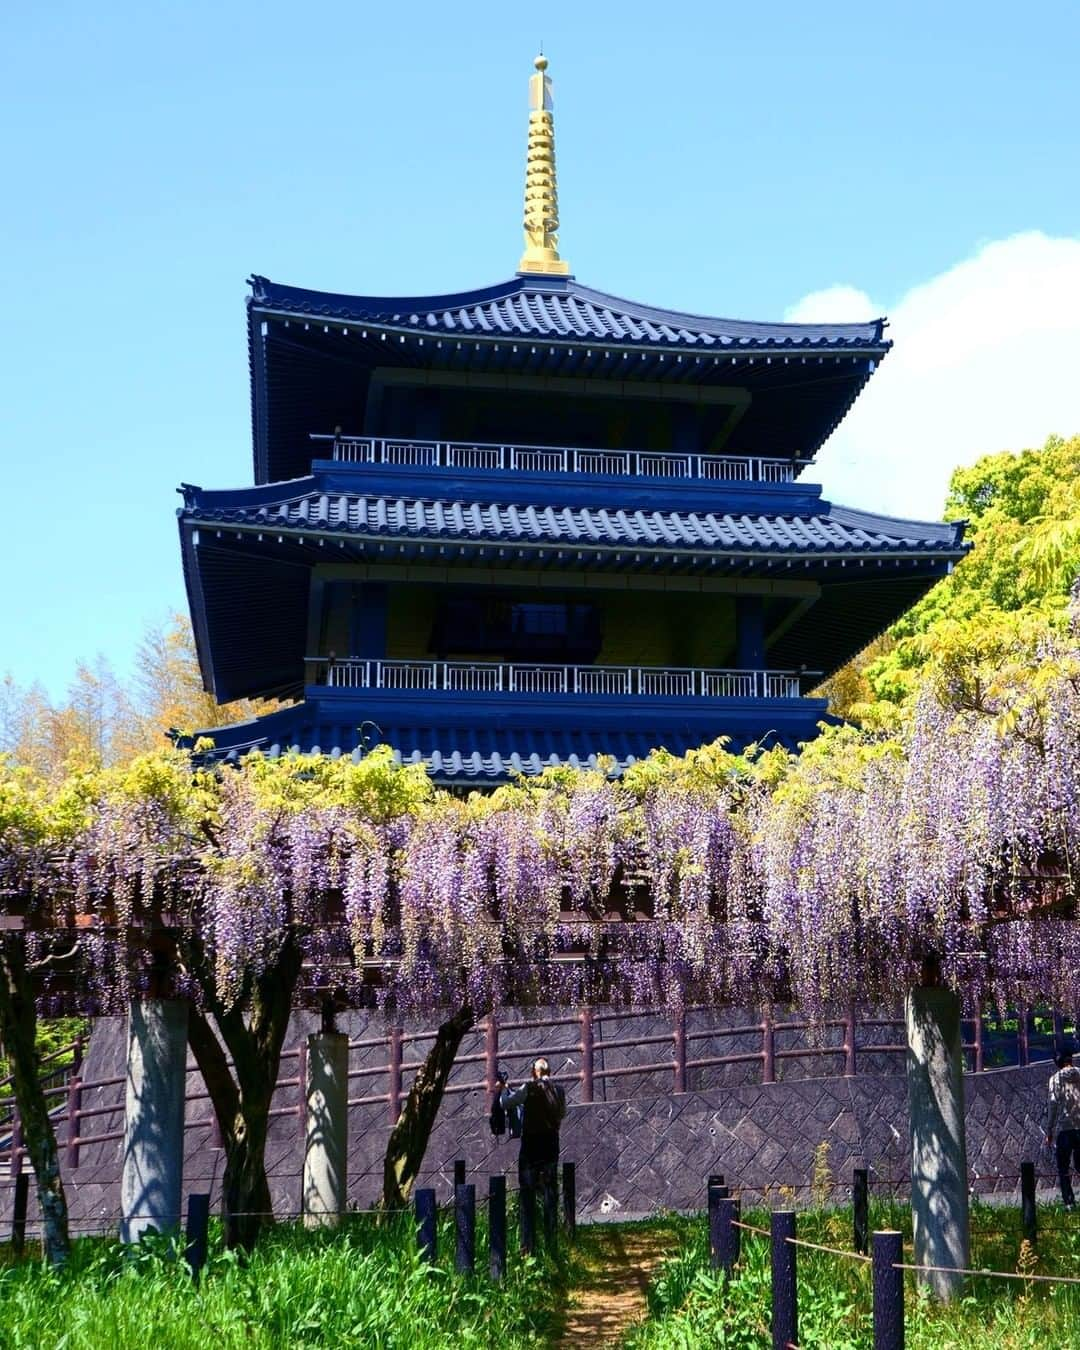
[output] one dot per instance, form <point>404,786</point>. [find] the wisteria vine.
<point>811,879</point>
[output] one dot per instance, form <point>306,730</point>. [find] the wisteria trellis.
<point>820,879</point>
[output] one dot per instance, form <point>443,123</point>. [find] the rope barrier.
<point>988,1274</point>
<point>945,1270</point>
<point>833,1251</point>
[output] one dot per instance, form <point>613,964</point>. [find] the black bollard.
<point>716,1195</point>
<point>459,1172</point>
<point>785,1316</point>
<point>198,1220</point>
<point>527,1219</point>
<point>18,1213</point>
<point>1028,1220</point>
<point>497,1225</point>
<point>465,1229</point>
<point>716,1179</point>
<point>860,1203</point>
<point>727,1233</point>
<point>425,1224</point>
<point>569,1198</point>
<point>888,1291</point>
<point>736,1232</point>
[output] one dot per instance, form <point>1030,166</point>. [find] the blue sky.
<point>752,161</point>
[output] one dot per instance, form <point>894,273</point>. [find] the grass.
<point>689,1307</point>
<point>359,1285</point>
<point>363,1285</point>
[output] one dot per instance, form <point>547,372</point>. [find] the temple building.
<point>534,523</point>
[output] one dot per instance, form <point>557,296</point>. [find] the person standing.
<point>1063,1117</point>
<point>543,1106</point>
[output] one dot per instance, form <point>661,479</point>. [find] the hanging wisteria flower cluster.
<point>814,879</point>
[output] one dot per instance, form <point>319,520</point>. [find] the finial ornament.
<point>541,195</point>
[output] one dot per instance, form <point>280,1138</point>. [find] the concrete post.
<point>153,1167</point>
<point>939,1181</point>
<point>327,1147</point>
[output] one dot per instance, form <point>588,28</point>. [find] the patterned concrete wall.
<point>651,1148</point>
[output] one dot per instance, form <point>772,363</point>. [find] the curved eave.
<point>560,309</point>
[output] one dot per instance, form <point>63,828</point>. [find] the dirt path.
<point>619,1262</point>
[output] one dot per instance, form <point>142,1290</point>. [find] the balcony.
<point>416,454</point>
<point>496,677</point>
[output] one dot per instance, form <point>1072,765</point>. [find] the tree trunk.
<point>409,1138</point>
<point>241,1094</point>
<point>18,1033</point>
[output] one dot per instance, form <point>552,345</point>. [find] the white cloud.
<point>986,358</point>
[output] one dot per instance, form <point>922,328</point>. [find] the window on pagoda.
<point>508,629</point>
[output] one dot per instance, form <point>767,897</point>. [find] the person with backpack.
<point>543,1106</point>
<point>1063,1117</point>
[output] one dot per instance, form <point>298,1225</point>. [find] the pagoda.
<point>536,524</point>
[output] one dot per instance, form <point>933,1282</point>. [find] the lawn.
<point>689,1307</point>
<point>362,1285</point>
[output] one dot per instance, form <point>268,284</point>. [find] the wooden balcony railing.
<point>493,677</point>
<point>405,452</point>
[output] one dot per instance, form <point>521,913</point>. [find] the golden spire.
<point>541,196</point>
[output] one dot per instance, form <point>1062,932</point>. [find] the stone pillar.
<point>327,1147</point>
<point>939,1180</point>
<point>153,1168</point>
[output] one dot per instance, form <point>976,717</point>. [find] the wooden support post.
<point>18,1212</point>
<point>459,1172</point>
<point>586,1055</point>
<point>888,1254</point>
<point>717,1179</point>
<point>74,1111</point>
<point>198,1220</point>
<point>768,1047</point>
<point>465,1229</point>
<point>497,1225</point>
<point>1023,1048</point>
<point>1059,1031</point>
<point>785,1316</point>
<point>569,1198</point>
<point>425,1224</point>
<point>491,1054</point>
<point>860,1203</point>
<point>1028,1215</point>
<point>941,1230</point>
<point>849,1042</point>
<point>394,1091</point>
<point>679,1038</point>
<point>77,1058</point>
<point>727,1236</point>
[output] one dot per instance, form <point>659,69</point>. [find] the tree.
<point>1023,514</point>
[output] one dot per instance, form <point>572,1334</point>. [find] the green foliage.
<point>362,1285</point>
<point>1023,514</point>
<point>689,1305</point>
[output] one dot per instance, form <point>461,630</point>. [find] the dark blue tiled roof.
<point>564,310</point>
<point>833,530</point>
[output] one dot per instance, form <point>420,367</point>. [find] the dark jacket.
<point>543,1106</point>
